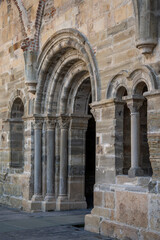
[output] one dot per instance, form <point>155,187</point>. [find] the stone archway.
<point>68,79</point>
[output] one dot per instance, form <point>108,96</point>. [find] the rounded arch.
<point>17,94</point>
<point>129,80</point>
<point>118,81</point>
<point>143,74</point>
<point>140,88</point>
<point>121,92</point>
<point>62,51</point>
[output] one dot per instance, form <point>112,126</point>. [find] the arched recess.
<point>68,80</point>
<point>130,79</point>
<point>136,82</point>
<point>17,109</point>
<point>144,160</point>
<point>63,50</point>
<point>17,134</point>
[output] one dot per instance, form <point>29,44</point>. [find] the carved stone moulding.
<point>146,47</point>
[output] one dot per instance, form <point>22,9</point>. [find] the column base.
<point>63,203</point>
<point>34,206</point>
<point>133,172</point>
<point>49,204</point>
<point>37,198</point>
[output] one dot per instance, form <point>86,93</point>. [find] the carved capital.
<point>134,104</point>
<point>64,122</point>
<point>95,114</point>
<point>51,123</point>
<point>38,123</point>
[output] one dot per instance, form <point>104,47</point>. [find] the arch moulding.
<point>129,80</point>
<point>53,53</point>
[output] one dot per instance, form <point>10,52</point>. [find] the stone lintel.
<point>103,103</point>
<point>79,122</point>
<point>152,94</point>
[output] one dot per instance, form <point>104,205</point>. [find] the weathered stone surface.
<point>98,198</point>
<point>118,231</point>
<point>145,235</point>
<point>109,200</point>
<point>132,214</point>
<point>92,223</point>
<point>154,212</point>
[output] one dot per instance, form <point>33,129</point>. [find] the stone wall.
<point>123,50</point>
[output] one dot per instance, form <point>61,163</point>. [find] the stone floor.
<point>66,225</point>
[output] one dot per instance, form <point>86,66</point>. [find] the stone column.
<point>64,125</point>
<point>50,159</point>
<point>38,161</point>
<point>134,105</point>
<point>50,203</point>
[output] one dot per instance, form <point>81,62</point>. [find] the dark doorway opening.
<point>90,161</point>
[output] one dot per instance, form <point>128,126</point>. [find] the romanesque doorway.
<point>68,77</point>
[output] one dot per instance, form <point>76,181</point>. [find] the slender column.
<point>64,124</point>
<point>37,161</point>
<point>134,105</point>
<point>50,160</point>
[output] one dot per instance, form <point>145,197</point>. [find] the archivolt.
<point>129,80</point>
<point>65,59</point>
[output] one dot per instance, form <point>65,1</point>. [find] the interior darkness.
<point>17,134</point>
<point>144,157</point>
<point>126,140</point>
<point>90,161</point>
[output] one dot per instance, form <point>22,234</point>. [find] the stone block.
<point>104,175</point>
<point>101,212</point>
<point>92,223</point>
<point>146,235</point>
<point>98,198</point>
<point>109,200</point>
<point>122,232</point>
<point>154,212</point>
<point>118,28</point>
<point>16,202</point>
<point>132,208</point>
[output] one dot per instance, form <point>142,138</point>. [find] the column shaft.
<point>50,161</point>
<point>63,162</point>
<point>37,162</point>
<point>135,140</point>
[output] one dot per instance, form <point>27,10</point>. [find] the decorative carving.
<point>51,123</point>
<point>134,103</point>
<point>3,177</point>
<point>38,124</point>
<point>95,114</point>
<point>146,25</point>
<point>64,122</point>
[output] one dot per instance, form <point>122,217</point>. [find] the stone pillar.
<point>153,99</point>
<point>104,114</point>
<point>119,132</point>
<point>38,161</point>
<point>134,105</point>
<point>50,203</point>
<point>63,178</point>
<point>76,162</point>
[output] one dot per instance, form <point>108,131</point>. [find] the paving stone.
<point>65,225</point>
